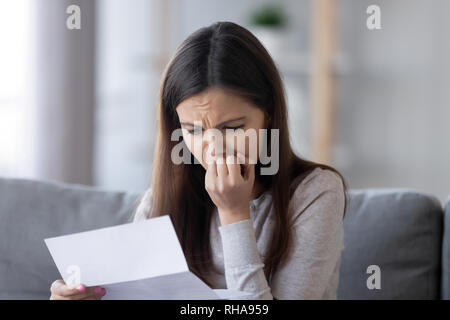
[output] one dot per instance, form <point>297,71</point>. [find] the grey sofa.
<point>403,232</point>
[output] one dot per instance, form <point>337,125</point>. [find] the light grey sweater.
<point>311,270</point>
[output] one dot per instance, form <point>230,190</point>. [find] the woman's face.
<point>220,109</point>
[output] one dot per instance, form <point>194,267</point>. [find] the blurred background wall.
<point>81,104</point>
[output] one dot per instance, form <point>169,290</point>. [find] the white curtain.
<point>62,97</point>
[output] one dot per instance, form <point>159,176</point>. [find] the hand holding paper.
<point>141,260</point>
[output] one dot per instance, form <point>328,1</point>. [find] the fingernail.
<point>81,288</point>
<point>98,290</point>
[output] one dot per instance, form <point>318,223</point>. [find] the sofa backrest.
<point>396,234</point>
<point>400,231</point>
<point>31,211</point>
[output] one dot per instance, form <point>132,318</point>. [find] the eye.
<point>234,128</point>
<point>195,131</point>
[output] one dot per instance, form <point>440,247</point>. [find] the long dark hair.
<point>223,55</point>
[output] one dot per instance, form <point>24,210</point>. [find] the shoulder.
<point>321,180</point>
<point>143,211</point>
<point>322,189</point>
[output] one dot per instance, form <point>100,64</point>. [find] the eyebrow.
<point>220,124</point>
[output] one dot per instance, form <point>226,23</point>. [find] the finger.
<point>76,297</point>
<point>208,157</point>
<point>211,175</point>
<point>94,293</point>
<point>60,288</point>
<point>234,168</point>
<point>92,297</point>
<point>222,170</point>
<point>96,290</point>
<point>212,168</point>
<point>91,293</point>
<point>249,172</point>
<point>241,158</point>
<point>243,161</point>
<point>58,297</point>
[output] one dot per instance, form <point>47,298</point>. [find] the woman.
<point>274,236</point>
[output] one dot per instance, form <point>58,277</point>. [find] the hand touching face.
<point>230,187</point>
<point>229,161</point>
<point>217,111</point>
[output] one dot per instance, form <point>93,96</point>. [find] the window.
<point>14,35</point>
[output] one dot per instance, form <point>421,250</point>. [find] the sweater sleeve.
<point>242,262</point>
<point>316,212</point>
<point>143,210</point>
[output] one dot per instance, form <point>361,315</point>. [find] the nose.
<point>214,146</point>
<point>211,146</point>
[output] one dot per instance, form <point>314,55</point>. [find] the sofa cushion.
<point>31,211</point>
<point>400,231</point>
<point>445,289</point>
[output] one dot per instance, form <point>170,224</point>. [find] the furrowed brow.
<point>220,124</point>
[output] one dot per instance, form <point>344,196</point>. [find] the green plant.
<point>270,15</point>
